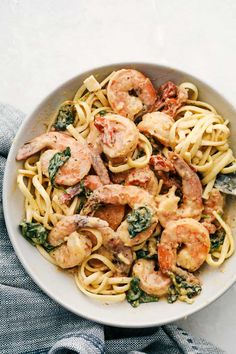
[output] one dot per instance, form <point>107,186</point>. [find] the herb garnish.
<point>217,239</point>
<point>139,220</point>
<point>36,234</point>
<point>56,162</point>
<point>135,296</point>
<point>145,255</point>
<point>181,288</point>
<point>65,117</point>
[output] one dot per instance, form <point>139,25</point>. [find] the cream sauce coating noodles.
<point>99,257</point>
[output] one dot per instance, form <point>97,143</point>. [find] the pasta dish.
<point>124,189</point>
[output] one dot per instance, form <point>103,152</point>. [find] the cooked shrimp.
<point>73,252</point>
<point>192,206</point>
<point>142,236</point>
<point>69,224</point>
<point>95,147</point>
<point>129,92</point>
<point>144,178</point>
<point>119,136</point>
<point>215,202</point>
<point>113,214</point>
<point>194,242</point>
<point>121,195</point>
<point>151,281</point>
<point>73,170</point>
<point>118,194</point>
<point>170,98</point>
<point>157,125</point>
<point>90,182</point>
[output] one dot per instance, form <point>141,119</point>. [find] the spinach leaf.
<point>217,239</point>
<point>139,220</point>
<point>135,296</point>
<point>84,194</point>
<point>65,117</point>
<point>145,298</point>
<point>181,287</point>
<point>36,234</point>
<point>145,255</point>
<point>172,294</point>
<point>56,162</point>
<point>134,292</point>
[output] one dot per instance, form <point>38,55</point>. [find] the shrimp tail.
<point>192,187</point>
<point>183,169</point>
<point>27,150</point>
<point>99,167</point>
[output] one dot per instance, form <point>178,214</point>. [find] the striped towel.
<point>30,322</point>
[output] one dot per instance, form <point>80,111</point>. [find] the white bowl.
<point>59,285</point>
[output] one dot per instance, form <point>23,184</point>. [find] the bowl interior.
<point>59,285</point>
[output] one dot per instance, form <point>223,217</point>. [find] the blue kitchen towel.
<point>30,322</point>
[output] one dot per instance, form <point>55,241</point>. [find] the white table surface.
<point>43,43</point>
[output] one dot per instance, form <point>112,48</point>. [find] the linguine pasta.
<point>199,135</point>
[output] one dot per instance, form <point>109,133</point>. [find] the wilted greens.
<point>65,117</point>
<point>56,162</point>
<point>145,255</point>
<point>217,239</point>
<point>181,287</point>
<point>136,296</point>
<point>36,234</point>
<point>139,220</point>
<point>84,193</point>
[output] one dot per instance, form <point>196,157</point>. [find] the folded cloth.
<point>30,322</point>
